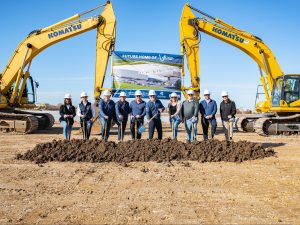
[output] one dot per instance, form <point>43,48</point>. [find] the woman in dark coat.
<point>67,113</point>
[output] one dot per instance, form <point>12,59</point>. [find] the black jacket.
<point>227,109</point>
<point>65,111</point>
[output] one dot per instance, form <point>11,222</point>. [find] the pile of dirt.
<point>145,150</point>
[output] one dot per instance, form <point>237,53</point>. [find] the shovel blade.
<point>142,129</point>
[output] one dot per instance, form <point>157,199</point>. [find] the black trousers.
<point>155,124</point>
<point>134,127</point>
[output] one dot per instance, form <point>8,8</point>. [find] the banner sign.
<point>133,71</point>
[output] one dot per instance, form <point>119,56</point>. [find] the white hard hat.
<point>190,92</point>
<point>68,96</point>
<point>206,92</point>
<point>152,92</point>
<point>83,94</point>
<point>174,95</point>
<point>106,93</point>
<point>122,94</point>
<point>224,93</point>
<point>138,92</point>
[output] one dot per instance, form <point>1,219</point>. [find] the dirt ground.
<point>264,191</point>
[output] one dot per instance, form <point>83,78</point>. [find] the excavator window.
<point>30,90</point>
<point>277,92</point>
<point>291,89</point>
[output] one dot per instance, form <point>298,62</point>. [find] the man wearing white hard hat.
<point>138,112</point>
<point>107,114</point>
<point>154,108</point>
<point>122,111</point>
<point>227,112</point>
<point>86,113</point>
<point>67,113</point>
<point>208,110</point>
<point>190,108</point>
<point>175,115</point>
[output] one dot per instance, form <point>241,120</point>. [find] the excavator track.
<point>45,120</point>
<point>18,123</point>
<point>287,125</point>
<point>247,123</point>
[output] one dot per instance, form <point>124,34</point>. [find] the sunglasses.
<point>138,96</point>
<point>151,96</point>
<point>225,96</point>
<point>190,95</point>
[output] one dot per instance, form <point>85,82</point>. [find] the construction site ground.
<point>264,191</point>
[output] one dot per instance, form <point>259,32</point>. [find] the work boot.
<point>188,141</point>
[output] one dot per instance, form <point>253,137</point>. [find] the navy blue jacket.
<point>107,109</point>
<point>152,109</point>
<point>138,109</point>
<point>209,108</point>
<point>122,108</point>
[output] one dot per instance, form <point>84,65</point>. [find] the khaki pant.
<point>228,128</point>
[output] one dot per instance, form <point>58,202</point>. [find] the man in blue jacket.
<point>208,110</point>
<point>138,112</point>
<point>154,108</point>
<point>107,114</point>
<point>122,112</point>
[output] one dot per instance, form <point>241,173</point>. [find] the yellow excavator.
<point>280,112</point>
<point>17,87</point>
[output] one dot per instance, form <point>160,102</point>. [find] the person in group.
<point>208,110</point>
<point>175,115</point>
<point>107,114</point>
<point>190,108</point>
<point>154,108</point>
<point>122,111</point>
<point>67,113</point>
<point>87,114</point>
<point>138,112</point>
<point>227,113</point>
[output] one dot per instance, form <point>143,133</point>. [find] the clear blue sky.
<point>152,26</point>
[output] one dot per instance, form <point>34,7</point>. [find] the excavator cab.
<point>286,91</point>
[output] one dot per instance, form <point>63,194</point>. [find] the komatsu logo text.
<point>64,31</point>
<point>230,35</point>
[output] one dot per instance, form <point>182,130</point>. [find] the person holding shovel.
<point>107,114</point>
<point>227,112</point>
<point>138,112</point>
<point>208,110</point>
<point>154,108</point>
<point>175,116</point>
<point>122,111</point>
<point>67,113</point>
<point>190,109</point>
<point>86,113</point>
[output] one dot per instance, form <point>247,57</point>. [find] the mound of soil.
<point>145,150</point>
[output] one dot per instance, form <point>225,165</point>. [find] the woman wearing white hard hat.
<point>175,116</point>
<point>227,113</point>
<point>67,113</point>
<point>138,112</point>
<point>154,108</point>
<point>190,108</point>
<point>122,111</point>
<point>107,114</point>
<point>87,114</point>
<point>208,109</point>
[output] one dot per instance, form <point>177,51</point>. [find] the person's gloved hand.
<point>65,116</point>
<point>121,117</point>
<point>106,117</point>
<point>160,110</point>
<point>137,116</point>
<point>231,119</point>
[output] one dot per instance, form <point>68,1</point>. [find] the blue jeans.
<point>189,126</point>
<point>205,125</point>
<point>174,121</point>
<point>123,125</point>
<point>105,127</point>
<point>86,127</point>
<point>67,129</point>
